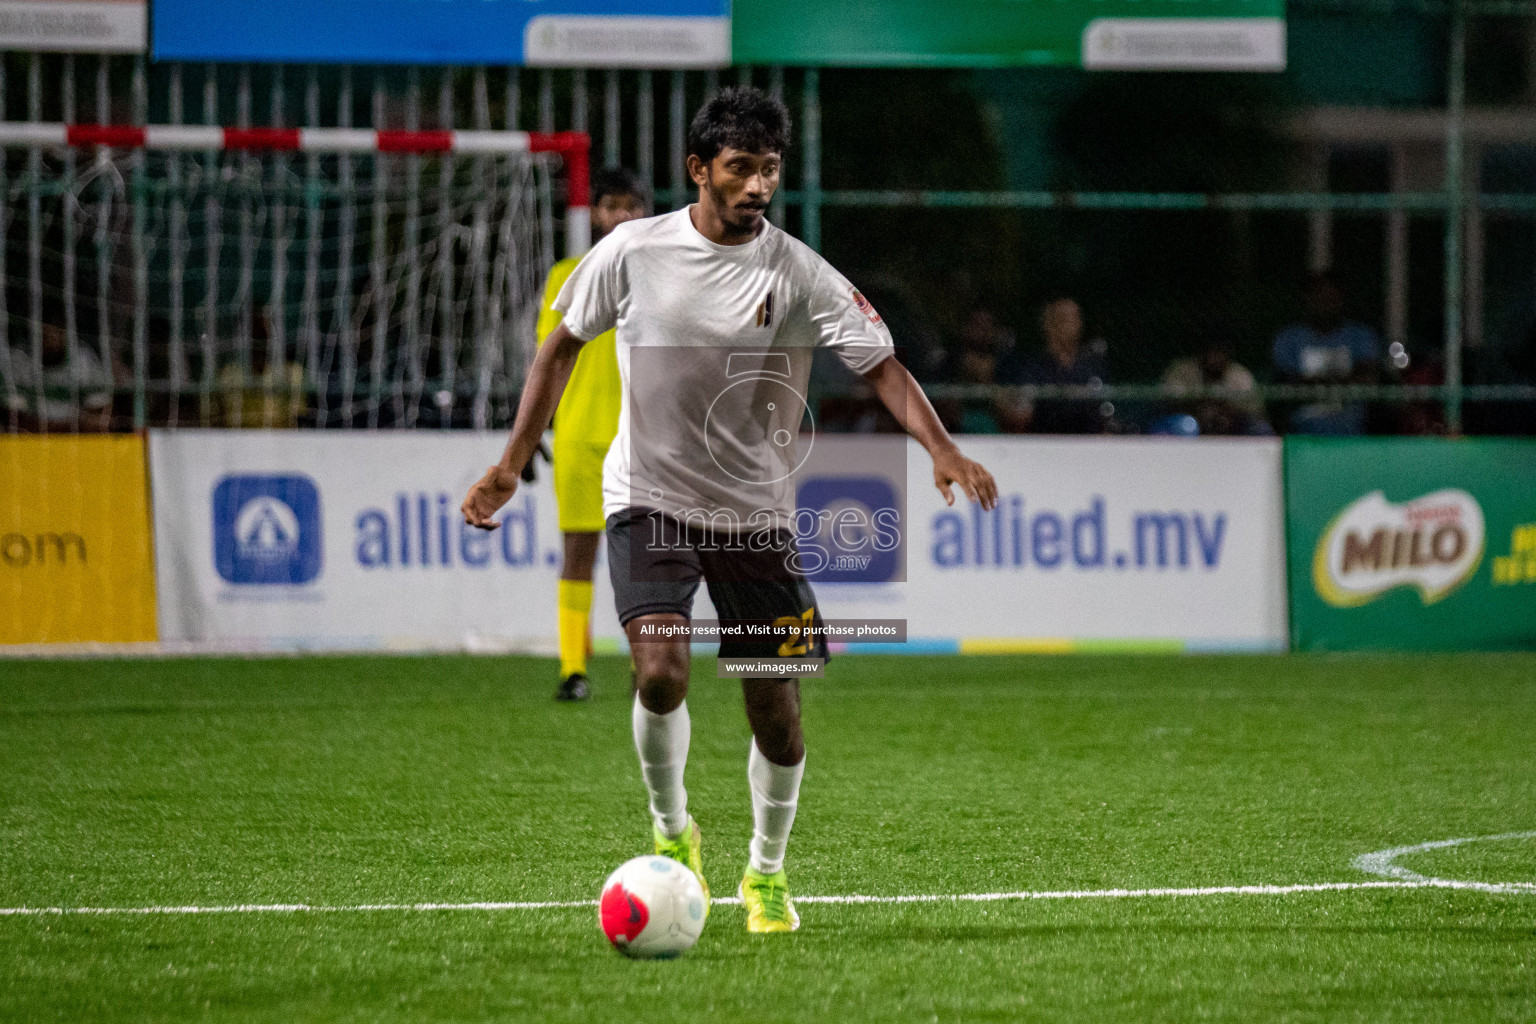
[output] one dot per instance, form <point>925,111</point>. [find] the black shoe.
<point>573,687</point>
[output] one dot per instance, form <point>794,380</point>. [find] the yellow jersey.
<point>588,412</point>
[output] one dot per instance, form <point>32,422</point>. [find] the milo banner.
<point>1411,544</point>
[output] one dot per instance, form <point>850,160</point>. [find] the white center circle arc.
<point>1383,863</point>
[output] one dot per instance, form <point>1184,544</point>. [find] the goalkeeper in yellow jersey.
<point>585,423</point>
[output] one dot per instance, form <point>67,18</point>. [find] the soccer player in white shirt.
<point>701,298</point>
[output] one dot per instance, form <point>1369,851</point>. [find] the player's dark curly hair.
<point>619,181</point>
<point>741,117</point>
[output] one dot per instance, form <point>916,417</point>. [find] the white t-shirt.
<point>715,345</point>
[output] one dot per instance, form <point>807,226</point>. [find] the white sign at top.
<point>1184,44</point>
<point>569,40</point>
<point>74,26</point>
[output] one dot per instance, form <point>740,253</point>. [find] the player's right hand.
<point>487,496</point>
<point>950,467</point>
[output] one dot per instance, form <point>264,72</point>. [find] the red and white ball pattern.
<point>652,908</point>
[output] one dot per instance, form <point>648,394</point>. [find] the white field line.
<point>1379,863</point>
<point>975,897</point>
<point>1382,861</point>
<point>1210,890</point>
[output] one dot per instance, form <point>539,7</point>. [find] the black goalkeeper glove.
<point>529,474</point>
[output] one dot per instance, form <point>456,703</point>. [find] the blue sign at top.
<point>545,33</point>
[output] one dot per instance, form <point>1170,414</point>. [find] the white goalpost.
<point>327,277</point>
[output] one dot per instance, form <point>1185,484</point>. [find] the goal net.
<point>268,278</point>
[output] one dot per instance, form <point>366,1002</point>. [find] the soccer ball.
<point>652,908</point>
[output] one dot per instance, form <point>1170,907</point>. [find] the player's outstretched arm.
<point>905,399</point>
<point>546,382</point>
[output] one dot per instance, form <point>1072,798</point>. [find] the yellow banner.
<point>76,557</point>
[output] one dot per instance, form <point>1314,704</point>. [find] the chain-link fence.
<point>232,287</point>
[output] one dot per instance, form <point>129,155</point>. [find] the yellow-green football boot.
<point>686,849</point>
<point>766,897</point>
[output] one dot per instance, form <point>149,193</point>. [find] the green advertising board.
<point>1411,544</point>
<point>1215,35</point>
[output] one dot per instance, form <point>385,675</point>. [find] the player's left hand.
<point>950,467</point>
<point>487,496</point>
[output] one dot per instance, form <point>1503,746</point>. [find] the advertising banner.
<point>1097,544</point>
<point>355,541</point>
<point>559,33</point>
<point>1411,544</point>
<point>284,539</point>
<point>1190,35</point>
<point>74,26</point>
<point>75,558</point>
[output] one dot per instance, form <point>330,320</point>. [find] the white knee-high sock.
<point>662,742</point>
<point>775,795</point>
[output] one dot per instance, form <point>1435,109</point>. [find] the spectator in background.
<point>63,391</point>
<point>1215,367</point>
<point>983,332</point>
<point>983,354</point>
<point>1327,349</point>
<point>1067,360</point>
<point>267,395</point>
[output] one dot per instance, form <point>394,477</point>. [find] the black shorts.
<point>656,566</point>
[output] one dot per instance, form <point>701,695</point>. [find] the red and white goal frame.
<point>573,148</point>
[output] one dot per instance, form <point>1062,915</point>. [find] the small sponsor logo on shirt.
<point>864,307</point>
<point>765,311</point>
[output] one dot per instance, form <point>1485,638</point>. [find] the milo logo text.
<point>1433,543</point>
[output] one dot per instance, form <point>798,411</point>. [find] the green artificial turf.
<point>343,781</point>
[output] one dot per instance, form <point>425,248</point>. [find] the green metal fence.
<point>640,118</point>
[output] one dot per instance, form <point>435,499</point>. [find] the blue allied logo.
<point>857,536</point>
<point>266,529</point>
